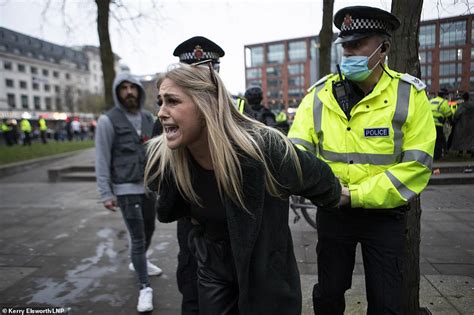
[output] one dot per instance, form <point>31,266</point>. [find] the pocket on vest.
<point>127,169</point>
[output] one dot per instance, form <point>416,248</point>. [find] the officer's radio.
<point>342,92</point>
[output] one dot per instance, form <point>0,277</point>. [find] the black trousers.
<point>186,274</point>
<point>218,289</point>
<point>382,239</point>
<point>440,144</point>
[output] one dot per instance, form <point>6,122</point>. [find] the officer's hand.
<point>345,197</point>
<point>110,204</point>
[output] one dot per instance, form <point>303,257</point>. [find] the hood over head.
<point>125,76</point>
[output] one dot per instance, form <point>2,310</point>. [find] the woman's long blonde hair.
<point>230,135</point>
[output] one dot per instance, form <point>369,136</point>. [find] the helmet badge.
<point>198,52</point>
<point>347,20</point>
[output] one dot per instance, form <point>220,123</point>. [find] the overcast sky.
<point>148,46</point>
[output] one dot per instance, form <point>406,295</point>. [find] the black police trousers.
<point>186,274</point>
<point>217,279</point>
<point>382,239</point>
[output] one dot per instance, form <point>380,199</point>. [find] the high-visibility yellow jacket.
<point>25,125</point>
<point>440,110</point>
<point>383,154</point>
<point>42,124</point>
<point>6,127</point>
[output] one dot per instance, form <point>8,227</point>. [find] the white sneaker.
<point>152,269</point>
<point>145,300</point>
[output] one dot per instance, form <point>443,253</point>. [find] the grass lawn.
<point>19,153</point>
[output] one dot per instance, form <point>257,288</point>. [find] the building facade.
<point>42,78</point>
<point>285,69</point>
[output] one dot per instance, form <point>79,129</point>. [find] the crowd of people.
<point>58,130</point>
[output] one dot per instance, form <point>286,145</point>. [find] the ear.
<point>385,47</point>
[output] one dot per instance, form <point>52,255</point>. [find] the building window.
<point>59,105</point>
<point>450,55</point>
<point>57,89</point>
<point>255,56</point>
<point>24,101</point>
<point>427,36</point>
<point>23,85</point>
<point>426,71</point>
<point>21,68</point>
<point>452,33</point>
<point>47,87</point>
<point>296,69</point>
<point>7,65</point>
<point>37,102</point>
<point>254,73</point>
<point>276,53</point>
<point>9,83</point>
<point>296,81</point>
<point>67,76</point>
<point>274,71</point>
<point>35,86</point>
<point>47,102</point>
<point>255,82</point>
<point>426,56</point>
<point>55,74</point>
<point>449,83</point>
<point>11,100</point>
<point>45,72</point>
<point>297,51</point>
<point>450,69</point>
<point>34,70</point>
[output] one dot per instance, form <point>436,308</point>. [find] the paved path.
<point>59,246</point>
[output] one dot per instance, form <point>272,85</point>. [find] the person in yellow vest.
<point>372,125</point>
<point>43,129</point>
<point>25,127</point>
<point>7,132</point>
<point>441,114</point>
<point>282,122</point>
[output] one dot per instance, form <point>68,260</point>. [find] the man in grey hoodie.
<point>120,162</point>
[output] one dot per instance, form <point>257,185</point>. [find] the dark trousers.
<point>27,138</point>
<point>43,136</point>
<point>382,239</point>
<point>186,274</point>
<point>440,144</point>
<point>218,289</point>
<point>138,212</point>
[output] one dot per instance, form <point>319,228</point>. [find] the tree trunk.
<point>404,58</point>
<point>106,53</point>
<point>325,39</point>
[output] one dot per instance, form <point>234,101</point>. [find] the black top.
<point>212,215</point>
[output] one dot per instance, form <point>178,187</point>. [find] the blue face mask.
<point>356,68</point>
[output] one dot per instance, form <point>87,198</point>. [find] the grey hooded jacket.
<point>105,138</point>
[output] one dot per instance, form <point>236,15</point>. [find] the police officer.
<point>441,114</point>
<point>373,126</point>
<point>25,127</point>
<point>254,108</point>
<point>43,128</point>
<point>193,50</point>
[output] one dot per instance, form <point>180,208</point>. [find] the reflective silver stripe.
<point>418,156</point>
<point>400,116</point>
<point>317,111</point>
<point>360,158</point>
<point>308,145</point>
<point>400,187</point>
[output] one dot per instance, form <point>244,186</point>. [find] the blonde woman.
<point>232,177</point>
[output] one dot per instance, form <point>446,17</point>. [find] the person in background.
<point>25,128</point>
<point>373,127</point>
<point>43,128</point>
<point>120,163</point>
<point>282,122</point>
<point>7,132</point>
<point>441,114</point>
<point>192,50</point>
<point>463,131</point>
<point>254,108</point>
<point>232,176</point>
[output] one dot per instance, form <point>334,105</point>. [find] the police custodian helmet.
<point>358,22</point>
<point>197,49</point>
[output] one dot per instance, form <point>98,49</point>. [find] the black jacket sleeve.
<point>318,182</point>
